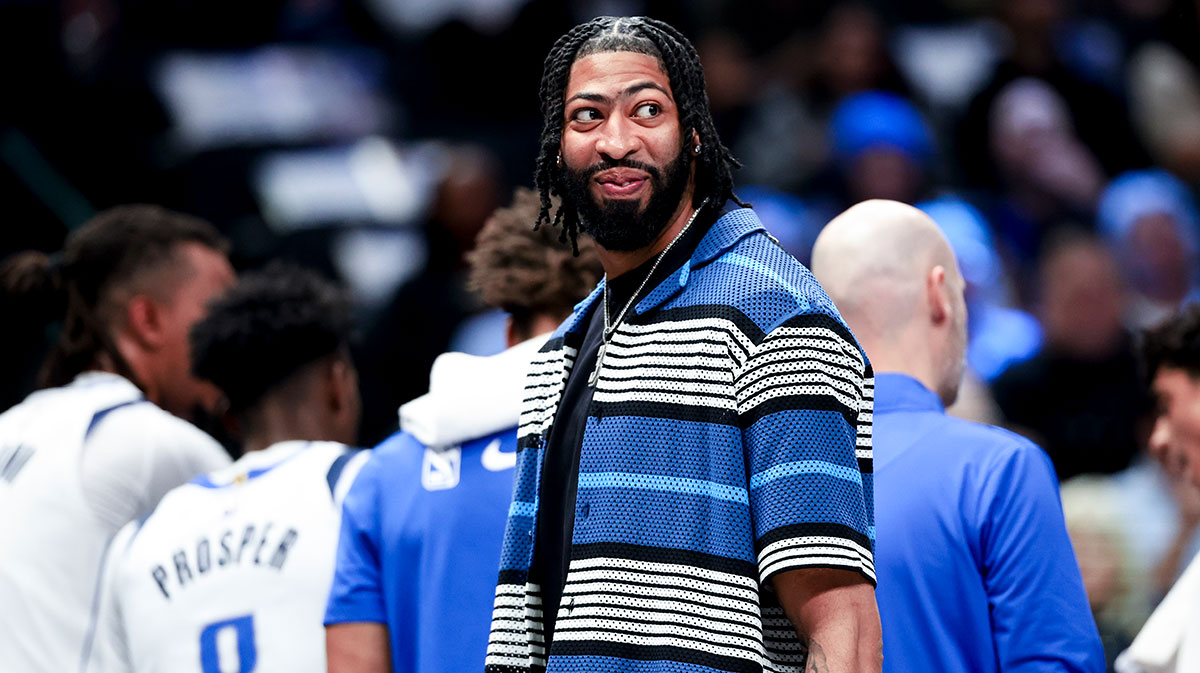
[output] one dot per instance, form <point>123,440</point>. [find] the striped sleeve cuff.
<point>789,548</point>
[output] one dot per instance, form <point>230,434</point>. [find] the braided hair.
<point>642,35</point>
<point>110,255</point>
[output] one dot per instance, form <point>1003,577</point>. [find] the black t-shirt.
<point>560,469</point>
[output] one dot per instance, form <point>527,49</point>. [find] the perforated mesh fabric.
<point>728,440</point>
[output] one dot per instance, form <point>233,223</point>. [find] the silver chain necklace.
<point>608,331</point>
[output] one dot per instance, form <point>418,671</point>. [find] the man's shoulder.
<point>142,434</point>
<point>976,436</point>
<point>90,398</point>
<point>758,278</point>
<point>401,454</point>
<point>135,415</point>
<point>395,452</point>
<point>988,445</point>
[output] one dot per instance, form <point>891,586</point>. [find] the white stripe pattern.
<point>543,387</point>
<point>697,327</point>
<point>814,550</point>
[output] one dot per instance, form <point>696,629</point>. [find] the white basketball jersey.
<point>76,464</point>
<point>231,572</point>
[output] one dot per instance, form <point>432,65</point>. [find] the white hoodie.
<point>470,396</point>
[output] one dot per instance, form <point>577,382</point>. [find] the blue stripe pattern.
<point>659,483</point>
<point>804,467</point>
<point>100,415</point>
<point>522,508</point>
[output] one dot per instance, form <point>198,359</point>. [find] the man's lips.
<point>620,182</point>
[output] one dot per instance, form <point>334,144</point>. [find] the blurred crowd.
<point>1056,143</point>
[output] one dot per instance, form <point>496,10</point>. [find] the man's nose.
<point>617,139</point>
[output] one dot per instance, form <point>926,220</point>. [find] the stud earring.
<point>559,162</point>
<point>696,149</point>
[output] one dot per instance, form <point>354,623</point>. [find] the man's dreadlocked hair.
<point>110,255</point>
<point>641,35</point>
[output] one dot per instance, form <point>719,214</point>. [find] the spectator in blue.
<point>1151,220</point>
<point>882,147</point>
<point>422,525</point>
<point>976,572</point>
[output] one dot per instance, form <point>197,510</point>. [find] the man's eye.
<point>586,114</point>
<point>647,110</point>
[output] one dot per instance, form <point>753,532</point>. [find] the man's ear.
<point>511,338</point>
<point>695,142</point>
<point>145,322</point>
<point>232,424</point>
<point>342,382</point>
<point>940,309</point>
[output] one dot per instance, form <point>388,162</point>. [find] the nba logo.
<point>440,469</point>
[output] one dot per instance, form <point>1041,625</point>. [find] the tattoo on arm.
<point>815,662</point>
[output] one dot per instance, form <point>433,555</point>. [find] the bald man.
<point>976,572</point>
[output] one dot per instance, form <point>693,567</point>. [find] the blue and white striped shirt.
<point>728,440</point>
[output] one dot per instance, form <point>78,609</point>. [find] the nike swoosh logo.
<point>496,460</point>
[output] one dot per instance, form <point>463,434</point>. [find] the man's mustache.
<point>606,164</point>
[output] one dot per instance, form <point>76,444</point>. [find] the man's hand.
<point>357,647</point>
<point>835,614</point>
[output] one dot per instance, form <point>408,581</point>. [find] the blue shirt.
<point>727,440</point>
<point>421,531</point>
<point>976,573</point>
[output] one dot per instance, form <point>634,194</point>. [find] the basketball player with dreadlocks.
<point>97,447</point>
<point>693,484</point>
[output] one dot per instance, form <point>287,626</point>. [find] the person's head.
<point>893,277</point>
<point>1035,148</point>
<point>1152,222</point>
<point>127,287</point>
<point>468,192</point>
<point>277,345</point>
<point>851,49</point>
<point>629,138</point>
<point>882,145</point>
<point>530,273</point>
<point>1081,297</point>
<point>1171,359</point>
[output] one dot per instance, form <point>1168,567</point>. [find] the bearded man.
<point>693,487</point>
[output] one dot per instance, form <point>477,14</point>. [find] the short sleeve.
<point>138,453</point>
<point>804,401</point>
<point>1041,619</point>
<point>357,593</point>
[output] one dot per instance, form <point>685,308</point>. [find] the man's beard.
<point>620,224</point>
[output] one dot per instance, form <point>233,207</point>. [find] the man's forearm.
<point>357,647</point>
<point>835,614</point>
